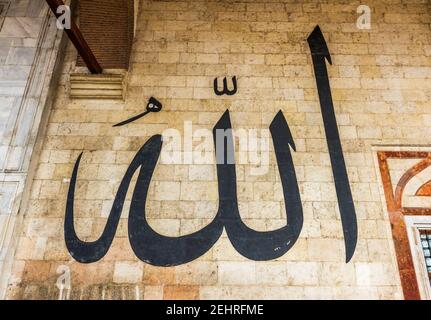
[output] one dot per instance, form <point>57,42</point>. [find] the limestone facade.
<point>381,87</point>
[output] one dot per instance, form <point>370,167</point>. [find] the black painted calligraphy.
<point>320,52</point>
<point>158,250</point>
<point>155,249</point>
<point>153,106</point>
<point>226,90</point>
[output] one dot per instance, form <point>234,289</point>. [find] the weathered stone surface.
<point>27,59</point>
<point>381,89</point>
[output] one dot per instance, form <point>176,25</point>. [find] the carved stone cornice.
<point>97,86</point>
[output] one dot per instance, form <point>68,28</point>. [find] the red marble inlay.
<point>425,190</point>
<point>397,212</point>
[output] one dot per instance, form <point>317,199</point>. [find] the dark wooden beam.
<point>78,40</point>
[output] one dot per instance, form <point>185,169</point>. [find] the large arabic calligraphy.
<point>158,250</point>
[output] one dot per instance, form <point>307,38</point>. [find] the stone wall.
<point>28,43</point>
<point>381,89</point>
